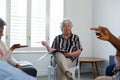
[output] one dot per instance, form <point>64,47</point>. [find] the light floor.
<point>83,76</point>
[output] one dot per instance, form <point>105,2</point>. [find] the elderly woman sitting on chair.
<point>68,49</point>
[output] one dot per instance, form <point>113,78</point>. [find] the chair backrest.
<point>52,61</point>
<point>111,59</point>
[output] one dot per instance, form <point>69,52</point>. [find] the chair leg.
<point>49,72</point>
<point>53,69</point>
<point>78,74</point>
<point>73,75</point>
<point>73,72</point>
<point>54,75</point>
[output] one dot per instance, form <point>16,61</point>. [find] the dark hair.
<point>2,22</point>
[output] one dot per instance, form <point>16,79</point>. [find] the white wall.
<point>105,13</point>
<point>80,12</point>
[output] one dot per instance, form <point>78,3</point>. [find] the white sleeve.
<point>6,56</point>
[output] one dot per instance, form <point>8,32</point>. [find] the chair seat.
<point>29,69</point>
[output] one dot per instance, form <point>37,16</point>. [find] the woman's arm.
<point>74,53</point>
<point>115,42</point>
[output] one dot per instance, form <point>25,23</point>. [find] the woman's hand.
<point>18,66</point>
<point>17,46</point>
<point>67,54</point>
<point>44,43</point>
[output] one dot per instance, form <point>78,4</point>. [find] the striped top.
<point>67,45</point>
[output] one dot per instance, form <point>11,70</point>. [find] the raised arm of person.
<point>13,47</point>
<point>49,49</point>
<point>17,46</point>
<point>117,60</point>
<point>115,42</point>
<point>104,34</point>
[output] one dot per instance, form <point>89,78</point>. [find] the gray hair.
<point>2,22</point>
<point>65,21</point>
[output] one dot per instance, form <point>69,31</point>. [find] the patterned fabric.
<point>67,45</point>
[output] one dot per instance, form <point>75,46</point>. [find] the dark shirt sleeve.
<point>78,44</point>
<point>54,43</point>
